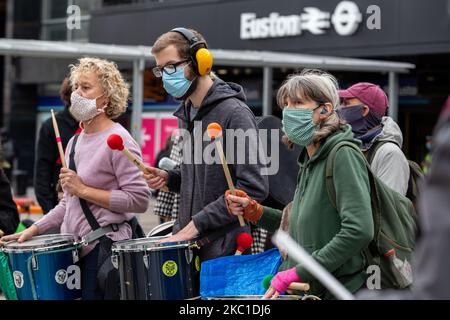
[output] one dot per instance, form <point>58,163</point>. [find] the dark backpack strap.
<point>370,154</point>
<point>86,210</point>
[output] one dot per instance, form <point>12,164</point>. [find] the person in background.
<point>48,163</point>
<point>167,202</point>
<point>364,107</point>
<point>426,163</point>
<point>432,260</point>
<point>10,153</point>
<point>165,152</point>
<point>9,217</point>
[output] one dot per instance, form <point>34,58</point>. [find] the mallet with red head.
<point>115,142</point>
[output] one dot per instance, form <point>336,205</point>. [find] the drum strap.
<point>97,231</point>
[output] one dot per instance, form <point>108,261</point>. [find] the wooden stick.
<point>58,140</point>
<point>138,163</point>
<point>299,286</point>
<point>227,175</point>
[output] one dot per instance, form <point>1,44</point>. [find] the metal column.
<point>138,97</point>
<point>267,91</point>
<point>8,69</point>
<point>393,95</point>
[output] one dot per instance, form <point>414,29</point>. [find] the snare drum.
<point>150,270</point>
<point>45,267</point>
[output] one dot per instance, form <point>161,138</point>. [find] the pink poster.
<point>168,126</point>
<point>148,140</point>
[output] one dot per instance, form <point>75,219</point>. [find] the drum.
<point>163,229</point>
<point>45,267</point>
<point>150,270</point>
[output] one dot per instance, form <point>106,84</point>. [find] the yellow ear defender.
<point>201,57</point>
<point>204,61</point>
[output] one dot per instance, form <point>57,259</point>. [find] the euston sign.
<point>345,19</point>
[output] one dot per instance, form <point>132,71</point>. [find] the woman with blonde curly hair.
<point>336,236</point>
<point>108,184</point>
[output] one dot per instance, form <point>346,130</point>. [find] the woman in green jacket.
<point>335,236</point>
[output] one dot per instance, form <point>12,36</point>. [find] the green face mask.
<point>298,125</point>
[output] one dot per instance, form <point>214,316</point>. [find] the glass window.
<point>87,6</point>
<point>81,34</point>
<point>54,19</point>
<point>55,32</point>
<point>55,9</point>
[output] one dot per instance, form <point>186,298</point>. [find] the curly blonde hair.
<point>111,80</point>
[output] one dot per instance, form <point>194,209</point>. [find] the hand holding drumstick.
<point>156,178</point>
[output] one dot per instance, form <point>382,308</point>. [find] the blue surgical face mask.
<point>176,84</point>
<point>299,125</point>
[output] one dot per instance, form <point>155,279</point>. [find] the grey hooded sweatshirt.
<point>389,162</point>
<point>201,185</point>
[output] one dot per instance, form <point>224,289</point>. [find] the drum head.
<point>39,243</point>
<point>140,244</point>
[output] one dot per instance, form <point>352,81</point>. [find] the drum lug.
<point>75,256</point>
<point>194,246</point>
<point>145,259</point>
<point>189,255</point>
<point>34,262</point>
<point>115,261</point>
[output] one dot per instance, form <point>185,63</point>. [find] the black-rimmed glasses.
<point>168,69</point>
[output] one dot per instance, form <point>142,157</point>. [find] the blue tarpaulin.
<point>238,275</point>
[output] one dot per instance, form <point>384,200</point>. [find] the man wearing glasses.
<point>205,99</point>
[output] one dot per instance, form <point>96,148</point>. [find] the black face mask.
<point>360,124</point>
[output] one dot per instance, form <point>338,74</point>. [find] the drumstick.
<point>299,286</point>
<point>214,131</point>
<point>58,140</point>
<point>115,142</point>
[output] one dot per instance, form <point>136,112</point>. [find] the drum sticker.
<point>61,276</point>
<point>197,263</point>
<point>170,268</point>
<point>18,279</point>
<point>71,277</point>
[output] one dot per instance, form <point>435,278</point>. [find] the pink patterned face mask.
<point>84,109</point>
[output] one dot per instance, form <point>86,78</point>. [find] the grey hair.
<point>318,86</point>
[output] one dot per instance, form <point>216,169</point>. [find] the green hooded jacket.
<point>335,238</point>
